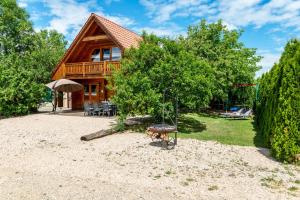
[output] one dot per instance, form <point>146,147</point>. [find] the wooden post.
<point>105,67</point>
<point>176,121</point>
<point>83,69</point>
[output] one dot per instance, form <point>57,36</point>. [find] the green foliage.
<point>19,92</point>
<point>278,111</point>
<point>197,69</point>
<point>15,28</point>
<point>158,65</point>
<point>230,60</point>
<point>26,60</point>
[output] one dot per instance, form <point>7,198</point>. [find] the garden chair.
<point>87,109</point>
<point>105,109</point>
<point>96,109</point>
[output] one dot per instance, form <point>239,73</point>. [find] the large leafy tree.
<point>231,61</point>
<point>26,60</point>
<point>158,66</point>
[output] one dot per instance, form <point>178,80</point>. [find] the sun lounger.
<point>244,115</point>
<point>241,115</point>
<point>232,114</point>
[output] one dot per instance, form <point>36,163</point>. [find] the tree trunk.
<point>98,134</point>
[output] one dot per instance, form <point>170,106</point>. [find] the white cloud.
<point>238,13</point>
<point>229,26</point>
<point>171,30</point>
<point>121,20</point>
<point>267,61</point>
<point>68,16</point>
<point>22,4</point>
<point>162,11</point>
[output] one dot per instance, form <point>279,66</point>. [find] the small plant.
<point>293,188</point>
<point>271,182</point>
<point>213,187</point>
<point>168,172</point>
<point>297,181</point>
<point>185,183</point>
<point>157,176</point>
<point>190,179</point>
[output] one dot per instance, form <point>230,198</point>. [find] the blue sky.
<point>267,24</point>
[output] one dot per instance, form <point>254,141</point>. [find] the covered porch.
<point>94,91</point>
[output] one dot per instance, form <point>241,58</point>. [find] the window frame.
<point>101,53</point>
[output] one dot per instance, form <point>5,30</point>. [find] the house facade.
<point>90,59</point>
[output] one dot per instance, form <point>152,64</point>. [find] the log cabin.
<point>90,59</point>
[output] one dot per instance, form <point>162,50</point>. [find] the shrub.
<point>278,110</point>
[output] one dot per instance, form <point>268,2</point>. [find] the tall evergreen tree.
<point>278,113</point>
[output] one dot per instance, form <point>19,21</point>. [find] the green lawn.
<point>226,131</point>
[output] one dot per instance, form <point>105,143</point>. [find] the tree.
<point>278,111</point>
<point>230,60</point>
<point>160,65</point>
<point>15,28</point>
<point>48,48</point>
<point>26,60</point>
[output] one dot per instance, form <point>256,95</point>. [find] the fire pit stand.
<point>161,131</point>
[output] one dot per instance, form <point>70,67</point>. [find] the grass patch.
<point>293,189</point>
<point>168,172</point>
<point>213,187</point>
<point>271,182</point>
<point>157,176</point>
<point>190,179</point>
<point>226,131</point>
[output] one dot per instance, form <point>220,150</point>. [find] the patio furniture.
<point>113,109</point>
<point>106,110</point>
<point>87,109</point>
<point>232,114</point>
<point>96,109</point>
<point>244,115</point>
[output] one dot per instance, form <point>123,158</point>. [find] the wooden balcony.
<point>83,70</point>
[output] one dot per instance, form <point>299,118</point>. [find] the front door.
<point>94,91</point>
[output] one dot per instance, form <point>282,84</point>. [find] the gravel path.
<point>43,158</point>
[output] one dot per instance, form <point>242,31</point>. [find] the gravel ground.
<point>43,158</point>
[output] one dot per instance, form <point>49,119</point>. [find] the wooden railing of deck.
<point>86,69</point>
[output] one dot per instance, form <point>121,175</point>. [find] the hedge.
<point>278,109</point>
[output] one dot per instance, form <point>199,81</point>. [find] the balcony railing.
<point>90,69</point>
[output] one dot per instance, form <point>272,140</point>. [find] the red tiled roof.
<point>121,35</point>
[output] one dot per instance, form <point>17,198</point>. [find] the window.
<point>95,55</point>
<point>116,53</point>
<point>94,90</point>
<point>86,90</point>
<point>106,54</point>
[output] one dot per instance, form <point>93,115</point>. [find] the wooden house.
<point>96,50</point>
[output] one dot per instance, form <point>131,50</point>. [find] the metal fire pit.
<point>162,128</point>
<point>161,132</point>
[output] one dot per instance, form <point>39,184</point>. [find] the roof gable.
<point>123,37</point>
